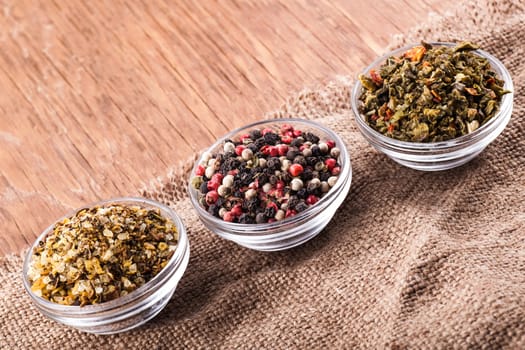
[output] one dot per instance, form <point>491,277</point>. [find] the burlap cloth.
<point>411,260</point>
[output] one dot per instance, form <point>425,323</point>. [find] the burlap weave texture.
<point>411,260</point>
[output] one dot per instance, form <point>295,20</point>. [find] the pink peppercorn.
<point>330,143</point>
<point>290,212</point>
<point>236,210</point>
<point>311,199</point>
<point>297,133</point>
<point>200,170</point>
<point>239,149</point>
<point>266,130</point>
<point>212,185</point>
<point>228,216</point>
<point>286,127</point>
<point>295,169</point>
<point>211,197</point>
<point>244,137</point>
<point>336,170</point>
<point>282,149</point>
<point>287,139</point>
<point>330,163</point>
<point>217,177</point>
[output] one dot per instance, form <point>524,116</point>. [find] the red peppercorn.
<point>217,177</point>
<point>290,212</point>
<point>244,137</point>
<point>212,185</point>
<point>335,171</point>
<point>266,130</point>
<point>279,185</point>
<point>211,197</point>
<point>287,139</point>
<point>228,216</point>
<point>272,204</point>
<point>286,127</point>
<point>236,210</point>
<point>282,149</point>
<point>295,169</point>
<point>330,163</point>
<point>330,144</point>
<point>271,220</point>
<point>311,199</point>
<point>200,170</point>
<point>278,193</point>
<point>297,133</point>
<point>239,149</point>
<point>274,152</point>
<point>265,150</point>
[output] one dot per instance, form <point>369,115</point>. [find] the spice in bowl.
<point>101,253</point>
<point>431,94</point>
<point>266,175</point>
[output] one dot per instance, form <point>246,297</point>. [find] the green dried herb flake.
<point>431,94</point>
<point>101,253</point>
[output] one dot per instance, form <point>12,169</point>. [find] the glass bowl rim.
<point>505,104</point>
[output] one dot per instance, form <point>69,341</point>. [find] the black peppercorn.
<point>255,134</point>
<point>273,163</point>
<point>302,193</point>
<point>204,187</point>
<point>260,218</point>
<point>260,142</point>
<point>246,219</point>
<point>316,151</point>
<point>270,212</point>
<point>324,175</point>
<point>301,206</point>
<point>300,160</point>
<point>308,136</point>
<point>271,138</point>
<point>307,174</point>
<point>311,161</point>
<point>291,154</point>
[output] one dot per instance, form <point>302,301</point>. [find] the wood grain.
<point>100,97</point>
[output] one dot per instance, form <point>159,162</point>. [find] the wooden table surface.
<point>98,99</point>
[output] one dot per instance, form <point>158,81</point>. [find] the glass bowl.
<point>438,155</point>
<point>291,231</point>
<point>128,311</point>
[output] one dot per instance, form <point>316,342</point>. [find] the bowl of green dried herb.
<point>433,106</point>
<point>108,267</point>
<point>273,184</point>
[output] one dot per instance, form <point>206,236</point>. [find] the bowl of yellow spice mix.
<point>433,106</point>
<point>108,267</point>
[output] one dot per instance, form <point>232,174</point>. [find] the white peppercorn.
<point>223,191</point>
<point>209,172</point>
<point>332,180</point>
<point>335,152</point>
<point>228,180</point>
<point>279,215</point>
<point>296,184</point>
<point>229,147</point>
<point>247,154</point>
<point>251,193</point>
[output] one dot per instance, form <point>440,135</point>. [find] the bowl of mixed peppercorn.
<point>108,267</point>
<point>271,185</point>
<point>433,106</point>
